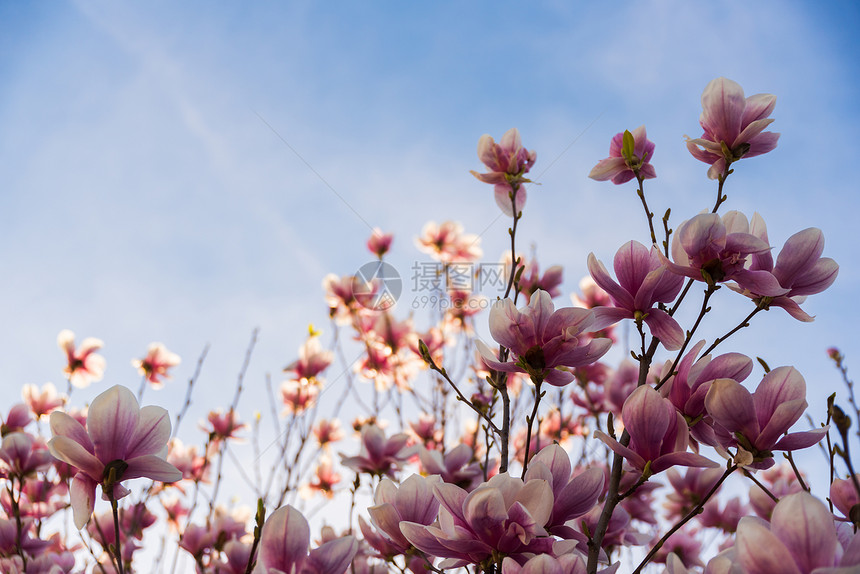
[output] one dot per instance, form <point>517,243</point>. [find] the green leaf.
<point>627,146</point>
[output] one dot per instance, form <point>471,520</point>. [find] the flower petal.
<point>112,421</point>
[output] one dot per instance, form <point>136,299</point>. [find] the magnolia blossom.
<point>756,422</point>
<point>715,249</point>
<point>844,495</point>
<point>800,539</point>
<point>312,361</point>
<point>689,385</point>
<point>446,242</point>
<point>800,269</point>
<point>573,496</point>
<point>734,126</point>
<point>284,547</point>
<point>541,339</point>
<point>643,282</point>
<point>413,501</point>
<point>379,242</point>
<point>457,466</point>
<point>42,401</point>
<point>658,434</point>
<point>503,515</point>
<point>379,455</point>
<point>508,162</point>
<point>83,366</point>
<point>625,163</point>
<point>121,441</point>
<point>156,363</point>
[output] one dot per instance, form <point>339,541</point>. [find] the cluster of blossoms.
<point>532,455</point>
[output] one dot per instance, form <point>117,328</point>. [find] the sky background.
<point>186,173</point>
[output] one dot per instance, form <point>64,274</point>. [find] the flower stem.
<point>117,545</point>
<point>529,422</point>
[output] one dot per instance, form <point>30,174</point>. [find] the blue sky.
<point>144,193</point>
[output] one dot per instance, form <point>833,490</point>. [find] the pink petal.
<point>800,440</point>
<point>799,253</point>
<point>806,528</point>
<point>723,105</point>
<point>415,501</point>
<point>82,494</point>
<point>732,406</point>
<point>557,461</point>
<point>64,425</point>
<point>666,461</point>
<point>536,496</point>
<point>73,453</point>
<point>504,323</point>
<point>762,143</point>
<point>758,107</point>
<point>502,194</point>
<point>759,551</point>
<point>632,264</point>
<point>633,457</point>
<point>333,557</point>
<point>665,328</point>
<point>112,422</point>
<point>608,168</point>
<point>780,385</point>
<point>152,432</point>
<point>285,540</point>
<point>645,417</point>
<point>818,278</point>
<point>422,538</point>
<point>578,496</point>
<point>152,466</point>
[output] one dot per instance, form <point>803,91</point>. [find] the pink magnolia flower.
<point>541,339</point>
<point>223,424</point>
<point>689,490</point>
<point>626,161</point>
<point>658,434</point>
<point>643,282</point>
<point>413,501</point>
<point>508,162</point>
<point>531,280</point>
<point>844,496</point>
<point>379,456</point>
<point>18,418</point>
<point>457,466</point>
<point>502,516</point>
<point>324,480</point>
<point>155,365</point>
<point>312,361</point>
<point>591,294</point>
<point>573,496</point>
<point>563,563</point>
<point>42,401</point>
<point>285,542</point>
<point>327,431</point>
<point>379,243</point>
<point>22,455</point>
<point>734,126</point>
<point>689,385</point>
<point>83,366</point>
<point>799,268</point>
<point>121,441</point>
<point>800,539</point>
<point>756,422</point>
<point>713,249</point>
<point>447,243</point>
